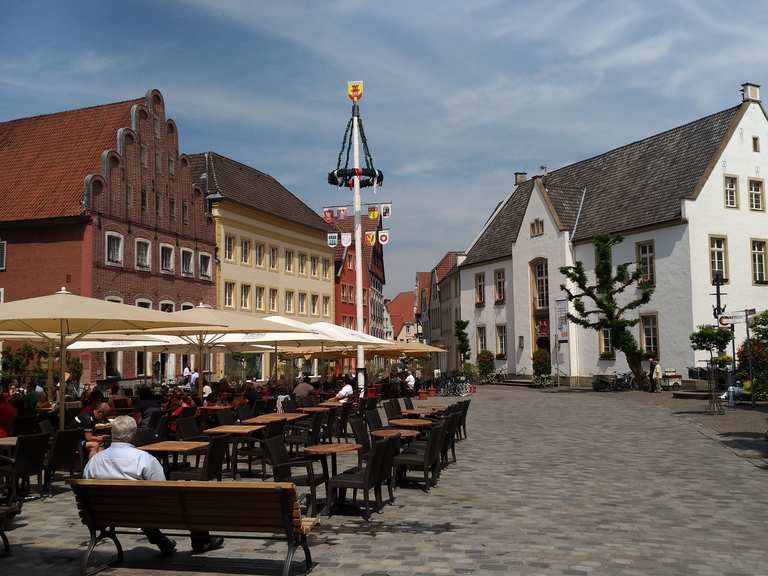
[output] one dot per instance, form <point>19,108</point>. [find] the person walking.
<point>652,367</point>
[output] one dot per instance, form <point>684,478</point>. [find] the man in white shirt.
<point>345,393</point>
<point>123,461</point>
<point>410,381</point>
<point>193,378</point>
<point>207,391</point>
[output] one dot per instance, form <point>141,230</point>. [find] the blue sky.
<point>459,94</point>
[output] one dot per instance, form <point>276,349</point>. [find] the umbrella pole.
<point>201,373</point>
<point>144,368</point>
<point>275,373</point>
<point>63,368</point>
<point>49,381</point>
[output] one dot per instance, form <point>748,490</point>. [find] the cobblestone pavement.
<point>549,484</point>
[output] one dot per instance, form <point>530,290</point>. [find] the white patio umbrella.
<point>73,317</point>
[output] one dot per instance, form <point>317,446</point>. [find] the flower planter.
<point>423,395</point>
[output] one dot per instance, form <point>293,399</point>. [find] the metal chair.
<point>63,455</point>
<point>365,479</point>
<point>408,403</point>
<point>29,460</point>
<point>283,465</point>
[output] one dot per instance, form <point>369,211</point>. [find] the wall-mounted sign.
<point>386,210</point>
<point>328,215</point>
<point>341,213</point>
<point>383,237</point>
<point>371,238</point>
<point>333,239</point>
<point>373,212</point>
<point>346,239</point>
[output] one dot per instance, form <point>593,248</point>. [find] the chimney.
<point>520,177</point>
<point>750,92</point>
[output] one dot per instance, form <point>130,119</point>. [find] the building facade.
<point>445,309</point>
<point>272,252</point>
<point>106,208</point>
<point>402,314</point>
<point>689,204</point>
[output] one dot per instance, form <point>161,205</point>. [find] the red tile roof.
<point>348,225</point>
<point>44,159</point>
<point>400,310</point>
<point>446,264</point>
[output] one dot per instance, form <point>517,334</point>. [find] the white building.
<point>689,202</point>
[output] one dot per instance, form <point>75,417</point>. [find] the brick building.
<point>100,201</point>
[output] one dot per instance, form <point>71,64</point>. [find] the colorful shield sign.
<point>383,237</point>
<point>328,215</point>
<point>341,213</point>
<point>386,210</point>
<point>346,239</point>
<point>355,90</point>
<point>333,239</point>
<point>373,212</point>
<point>371,238</point>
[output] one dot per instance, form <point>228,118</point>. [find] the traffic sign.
<point>728,320</point>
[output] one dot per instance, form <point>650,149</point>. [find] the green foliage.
<point>596,306</point>
<point>757,352</point>
<point>542,362</point>
<point>469,370</point>
<point>542,380</point>
<point>711,339</point>
<point>462,340</point>
<point>485,363</point>
<point>22,362</point>
<point>760,326</point>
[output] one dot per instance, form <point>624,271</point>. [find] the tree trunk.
<point>635,362</point>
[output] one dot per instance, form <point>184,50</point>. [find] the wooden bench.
<point>266,508</point>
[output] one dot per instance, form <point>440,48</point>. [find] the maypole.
<point>355,178</point>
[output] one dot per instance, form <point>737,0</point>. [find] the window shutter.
<point>3,245</point>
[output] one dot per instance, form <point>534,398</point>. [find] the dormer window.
<point>537,227</point>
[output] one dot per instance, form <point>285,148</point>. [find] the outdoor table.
<point>419,411</point>
<point>330,404</point>
<point>104,426</point>
<point>314,409</point>
<point>8,442</point>
<point>388,432</point>
<point>330,449</point>
<point>411,422</point>
<point>275,416</point>
<point>174,447</point>
<point>238,429</point>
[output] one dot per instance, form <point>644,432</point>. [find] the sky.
<point>459,94</point>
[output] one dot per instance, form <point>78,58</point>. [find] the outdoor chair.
<point>331,424</point>
<point>24,426</point>
<point>360,433</point>
<point>282,470</point>
<point>63,455</point>
<point>225,417</point>
<point>343,422</point>
<point>145,436</point>
<point>256,449</point>
<point>244,412</point>
<point>187,429</point>
<point>29,461</point>
<point>392,409</point>
<point>365,479</point>
<point>188,411</point>
<point>310,401</point>
<point>427,460</point>
<point>408,403</point>
<point>387,474</point>
<point>464,409</point>
<point>161,430</point>
<point>45,427</point>
<point>452,423</point>
<point>306,436</point>
<point>374,419</point>
<point>289,405</point>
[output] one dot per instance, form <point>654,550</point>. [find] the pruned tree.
<point>711,339</point>
<point>462,340</point>
<point>597,306</point>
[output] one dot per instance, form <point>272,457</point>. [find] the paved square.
<point>547,483</point>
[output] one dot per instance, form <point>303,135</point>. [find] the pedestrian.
<point>652,366</point>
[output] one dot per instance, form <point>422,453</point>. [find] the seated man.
<point>87,421</point>
<point>345,393</point>
<point>304,388</point>
<point>123,461</point>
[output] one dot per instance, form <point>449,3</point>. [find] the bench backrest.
<point>269,507</point>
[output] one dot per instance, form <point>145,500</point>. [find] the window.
<point>259,253</point>
<point>245,296</point>
<point>481,342</point>
<point>3,252</point>
<point>273,258</point>
<point>143,200</point>
<point>143,252</point>
<point>326,306</point>
<point>480,289</point>
<point>187,306</point>
<point>302,303</point>
<point>229,247</point>
<point>313,265</point>
<point>187,265</point>
<point>167,306</point>
<point>289,301</point>
<point>288,255</point>
<point>646,261</point>
<point>541,278</point>
<point>758,261</point>
<point>350,262</point>
<point>756,200</point>
<point>501,341</point>
<point>142,303</point>
<point>156,125</point>
<point>606,346</point>
<point>500,285</point>
<point>273,299</point>
<point>128,196</point>
<point>185,212</point>
<point>158,162</point>
<point>205,265</point>
<point>143,152</point>
<point>649,334</point>
<point>166,258</point>
<point>245,251</point>
<point>303,264</point>
<point>537,227</point>
<point>114,249</point>
<point>229,294</point>
<point>171,167</point>
<point>172,207</point>
<point>158,204</point>
<point>141,363</point>
<point>755,144</point>
<point>718,257</point>
<point>314,307</point>
<point>259,298</point>
<point>326,268</point>
<point>731,192</point>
